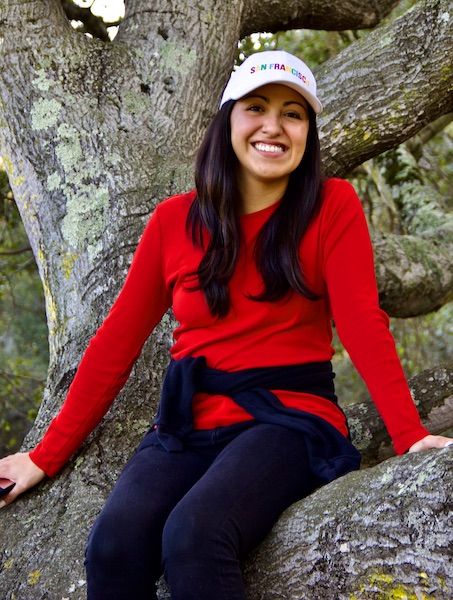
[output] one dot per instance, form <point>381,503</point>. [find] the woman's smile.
<point>269,148</point>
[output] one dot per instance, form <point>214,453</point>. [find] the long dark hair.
<point>216,208</point>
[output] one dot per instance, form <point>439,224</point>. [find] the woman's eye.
<point>255,108</point>
<point>293,115</point>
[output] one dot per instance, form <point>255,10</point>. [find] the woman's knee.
<point>188,532</point>
<point>107,543</point>
<point>200,555</point>
<point>198,532</point>
<point>118,563</point>
<point>179,534</point>
<point>119,535</point>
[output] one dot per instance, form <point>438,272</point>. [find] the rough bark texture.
<point>414,273</point>
<point>94,135</point>
<point>418,265</point>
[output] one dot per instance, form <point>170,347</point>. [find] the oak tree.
<point>94,134</point>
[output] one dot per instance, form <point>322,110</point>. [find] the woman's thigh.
<point>236,502</point>
<point>128,531</point>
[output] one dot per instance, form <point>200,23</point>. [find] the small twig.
<point>14,252</point>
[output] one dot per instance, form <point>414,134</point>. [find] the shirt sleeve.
<point>362,326</point>
<point>111,353</point>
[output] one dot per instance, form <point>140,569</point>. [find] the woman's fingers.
<point>431,441</point>
<point>20,469</point>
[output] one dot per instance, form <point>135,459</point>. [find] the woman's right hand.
<point>23,471</point>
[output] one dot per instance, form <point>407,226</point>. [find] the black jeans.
<point>195,513</point>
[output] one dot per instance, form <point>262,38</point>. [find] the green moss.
<point>362,434</point>
<point>14,179</point>
<point>8,564</point>
<point>421,263</point>
<point>381,578</point>
<point>386,41</point>
<point>422,208</point>
<point>86,215</point>
<point>113,158</point>
<point>141,426</point>
<point>69,149</point>
<point>79,461</point>
<point>87,201</point>
<point>45,62</point>
<point>208,17</point>
<point>67,262</point>
<point>51,307</point>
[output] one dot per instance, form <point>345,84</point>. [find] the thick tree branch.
<point>416,266</point>
<point>415,144</point>
<point>373,89</point>
<point>414,273</point>
<point>264,15</point>
<point>377,85</point>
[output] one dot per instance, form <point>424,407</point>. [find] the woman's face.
<point>269,129</point>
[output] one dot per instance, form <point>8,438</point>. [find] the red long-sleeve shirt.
<point>337,261</point>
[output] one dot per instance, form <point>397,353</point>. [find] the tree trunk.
<point>94,135</point>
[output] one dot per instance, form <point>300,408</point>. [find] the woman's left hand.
<point>431,441</point>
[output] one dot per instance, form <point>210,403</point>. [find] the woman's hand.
<point>431,441</point>
<point>23,471</point>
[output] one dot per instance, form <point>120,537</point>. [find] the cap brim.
<point>244,90</point>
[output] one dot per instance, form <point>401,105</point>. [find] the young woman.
<point>255,262</point>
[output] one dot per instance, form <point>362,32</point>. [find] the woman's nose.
<point>272,124</point>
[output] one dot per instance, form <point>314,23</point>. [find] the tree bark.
<point>414,273</point>
<point>379,93</point>
<point>294,14</point>
<point>93,136</point>
<point>415,145</point>
<point>416,266</point>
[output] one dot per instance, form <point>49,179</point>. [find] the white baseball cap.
<point>272,66</point>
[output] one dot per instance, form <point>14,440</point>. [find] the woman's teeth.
<point>269,148</point>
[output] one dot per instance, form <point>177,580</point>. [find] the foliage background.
<point>422,342</point>
<point>23,329</point>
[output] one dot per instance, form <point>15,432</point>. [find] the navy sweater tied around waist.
<point>331,454</point>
